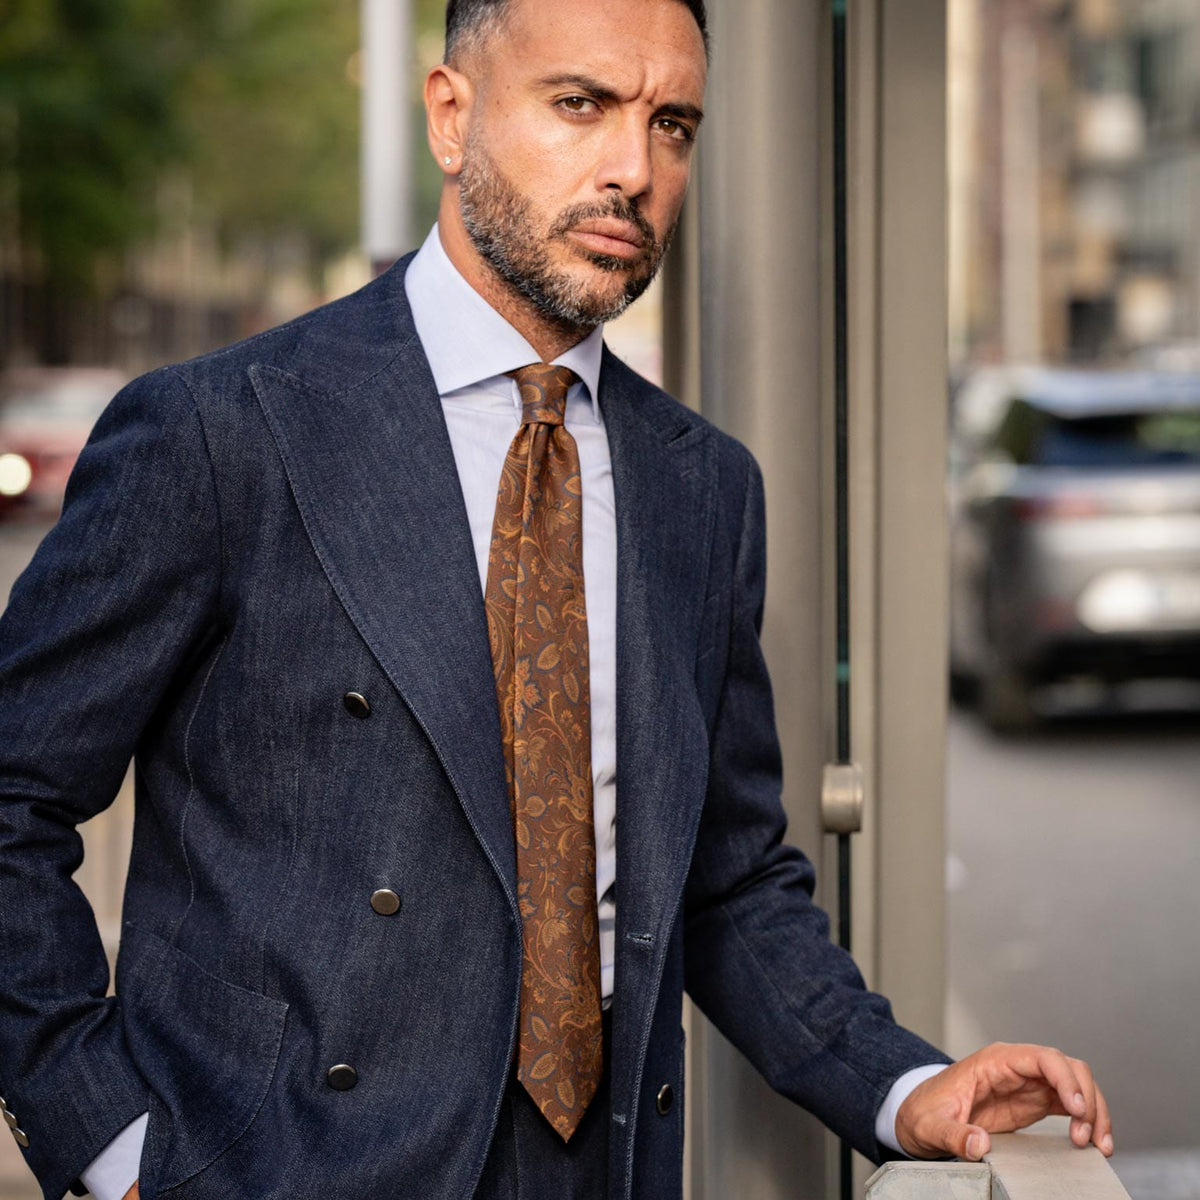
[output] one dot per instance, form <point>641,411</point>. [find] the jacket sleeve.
<point>759,961</point>
<point>97,627</point>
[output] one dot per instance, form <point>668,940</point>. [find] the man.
<point>385,935</point>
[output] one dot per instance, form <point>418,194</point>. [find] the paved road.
<point>1075,905</point>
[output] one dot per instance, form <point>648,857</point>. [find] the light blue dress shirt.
<point>470,348</point>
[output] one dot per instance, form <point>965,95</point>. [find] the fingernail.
<point>1086,1130</point>
<point>1080,1103</point>
<point>974,1146</point>
<point>1106,1143</point>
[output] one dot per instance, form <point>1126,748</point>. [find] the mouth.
<point>617,239</point>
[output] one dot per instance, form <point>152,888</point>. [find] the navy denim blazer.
<point>247,538</point>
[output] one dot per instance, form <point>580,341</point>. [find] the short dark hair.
<point>468,19</point>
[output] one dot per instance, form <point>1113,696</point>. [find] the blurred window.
<point>1107,66</point>
<point>1161,76</point>
<point>1030,436</point>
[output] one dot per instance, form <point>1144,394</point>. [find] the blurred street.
<point>17,544</point>
<point>1074,906</point>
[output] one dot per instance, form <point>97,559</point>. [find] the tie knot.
<point>543,392</point>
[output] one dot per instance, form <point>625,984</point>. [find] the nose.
<point>625,165</point>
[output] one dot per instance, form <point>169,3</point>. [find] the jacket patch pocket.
<point>206,1048</point>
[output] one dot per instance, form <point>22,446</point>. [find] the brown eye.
<point>576,104</point>
<point>673,129</point>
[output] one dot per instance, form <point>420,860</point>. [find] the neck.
<point>548,337</point>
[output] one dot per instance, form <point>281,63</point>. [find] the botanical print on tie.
<point>537,625</point>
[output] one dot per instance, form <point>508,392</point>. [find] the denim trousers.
<point>529,1161</point>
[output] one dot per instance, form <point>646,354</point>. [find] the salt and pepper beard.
<point>499,221</point>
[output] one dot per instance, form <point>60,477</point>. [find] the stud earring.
<point>447,160</point>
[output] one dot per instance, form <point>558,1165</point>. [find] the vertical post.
<point>897,446</point>
<point>911,593</point>
<point>756,357</point>
<point>754,237</point>
<point>386,131</point>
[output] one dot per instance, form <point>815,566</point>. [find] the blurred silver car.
<point>1075,532</point>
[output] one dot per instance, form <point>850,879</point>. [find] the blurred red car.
<point>46,414</point>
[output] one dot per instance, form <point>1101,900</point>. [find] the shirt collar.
<point>467,341</point>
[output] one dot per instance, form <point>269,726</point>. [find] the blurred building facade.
<point>1074,181</point>
<point>167,299</point>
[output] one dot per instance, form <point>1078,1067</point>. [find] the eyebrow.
<point>601,91</point>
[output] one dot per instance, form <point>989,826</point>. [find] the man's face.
<point>579,147</point>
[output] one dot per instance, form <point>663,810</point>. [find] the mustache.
<point>619,207</point>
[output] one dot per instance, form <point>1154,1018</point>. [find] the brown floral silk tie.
<point>537,625</point>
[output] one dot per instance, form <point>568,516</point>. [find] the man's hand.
<point>998,1089</point>
<point>132,1194</point>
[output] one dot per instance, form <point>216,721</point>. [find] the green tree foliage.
<point>272,111</point>
<point>100,100</point>
<point>86,94</point>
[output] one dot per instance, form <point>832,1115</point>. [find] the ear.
<point>448,99</point>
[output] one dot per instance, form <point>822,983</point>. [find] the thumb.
<point>964,1141</point>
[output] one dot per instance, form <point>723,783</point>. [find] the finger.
<point>1087,1085</point>
<point>1060,1075</point>
<point>1083,1128</point>
<point>945,1136</point>
<point>978,1143</point>
<point>1102,1135</point>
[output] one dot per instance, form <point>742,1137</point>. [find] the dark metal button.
<point>10,1120</point>
<point>357,705</point>
<point>342,1077</point>
<point>22,1139</point>
<point>385,902</point>
<point>666,1097</point>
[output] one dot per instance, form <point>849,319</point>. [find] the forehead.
<point>641,44</point>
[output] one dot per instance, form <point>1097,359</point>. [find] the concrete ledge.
<point>1037,1164</point>
<point>1040,1163</point>
<point>931,1181</point>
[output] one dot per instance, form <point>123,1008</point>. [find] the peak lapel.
<point>664,476</point>
<point>373,474</point>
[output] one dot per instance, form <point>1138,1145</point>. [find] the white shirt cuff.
<point>885,1119</point>
<point>116,1168</point>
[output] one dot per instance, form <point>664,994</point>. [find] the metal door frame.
<point>757,358</point>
